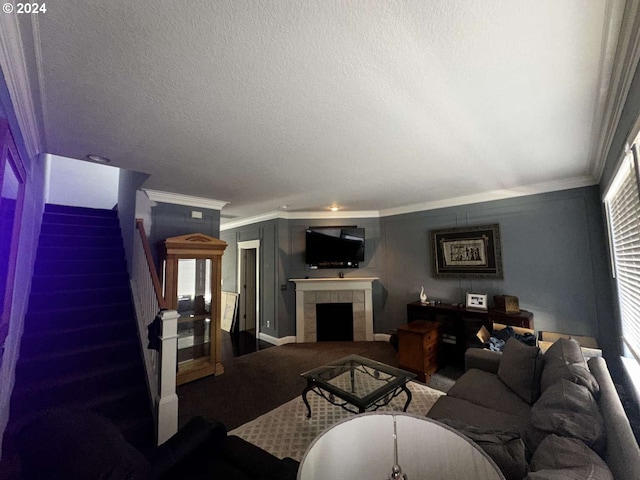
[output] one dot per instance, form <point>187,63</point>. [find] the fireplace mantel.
<point>355,290</point>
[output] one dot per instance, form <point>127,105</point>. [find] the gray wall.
<point>267,233</point>
<point>128,184</point>
<point>553,248</point>
<point>169,220</point>
<point>553,251</point>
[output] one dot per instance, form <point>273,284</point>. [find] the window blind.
<point>623,210</point>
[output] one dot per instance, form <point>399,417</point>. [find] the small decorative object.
<point>506,303</point>
<point>477,301</point>
<point>483,334</point>
<point>423,296</point>
<point>470,252</point>
<point>396,471</point>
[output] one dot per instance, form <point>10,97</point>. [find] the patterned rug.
<point>287,432</point>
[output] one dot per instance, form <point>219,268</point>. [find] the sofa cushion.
<point>76,445</point>
<point>469,413</point>
<point>564,359</point>
<point>568,410</point>
<point>567,458</point>
<point>487,390</point>
<point>506,448</point>
<point>520,369</point>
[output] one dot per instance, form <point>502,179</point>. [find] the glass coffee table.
<point>357,384</point>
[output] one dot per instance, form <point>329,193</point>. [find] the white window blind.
<point>623,211</point>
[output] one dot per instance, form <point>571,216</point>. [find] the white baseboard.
<point>377,337</point>
<point>274,340</point>
<point>381,337</point>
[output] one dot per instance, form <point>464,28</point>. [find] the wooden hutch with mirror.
<point>191,278</point>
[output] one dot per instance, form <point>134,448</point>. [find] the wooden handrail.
<point>152,268</point>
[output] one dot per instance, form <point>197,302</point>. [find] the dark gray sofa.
<point>490,397</point>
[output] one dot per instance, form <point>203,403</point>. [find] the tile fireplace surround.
<point>311,291</point>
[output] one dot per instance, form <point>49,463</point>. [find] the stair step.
<point>71,362</point>
<point>76,219</point>
<point>58,283</point>
<point>89,252</point>
<point>75,267</point>
<point>83,230</point>
<point>85,211</point>
<point>82,387</point>
<point>90,297</point>
<point>44,320</point>
<point>83,241</point>
<point>57,341</point>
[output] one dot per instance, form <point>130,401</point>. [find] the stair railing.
<point>159,364</point>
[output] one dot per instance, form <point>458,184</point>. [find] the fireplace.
<point>356,292</point>
<point>334,322</point>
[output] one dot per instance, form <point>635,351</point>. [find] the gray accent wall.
<point>553,251</point>
<point>553,248</point>
<point>267,233</point>
<point>128,184</point>
<point>170,220</point>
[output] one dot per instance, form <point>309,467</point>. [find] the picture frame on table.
<point>468,252</point>
<point>477,301</point>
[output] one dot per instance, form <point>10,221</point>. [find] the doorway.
<point>249,287</point>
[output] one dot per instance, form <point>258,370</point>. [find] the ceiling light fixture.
<point>98,158</point>
<point>334,208</point>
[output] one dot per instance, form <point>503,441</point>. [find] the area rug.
<point>287,432</point>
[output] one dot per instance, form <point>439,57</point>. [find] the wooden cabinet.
<point>192,274</point>
<point>460,325</point>
<point>418,348</point>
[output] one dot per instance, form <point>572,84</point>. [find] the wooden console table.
<point>460,325</point>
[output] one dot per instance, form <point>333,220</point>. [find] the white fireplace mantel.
<point>358,291</point>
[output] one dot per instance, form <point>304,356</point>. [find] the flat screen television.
<point>334,247</point>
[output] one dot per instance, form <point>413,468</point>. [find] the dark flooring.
<point>258,382</point>
<point>241,343</point>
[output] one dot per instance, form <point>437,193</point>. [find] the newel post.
<point>167,401</point>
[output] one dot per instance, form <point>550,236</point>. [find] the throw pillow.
<point>505,448</point>
<point>564,359</point>
<point>520,369</point>
<point>568,410</point>
<point>567,458</point>
<point>566,350</point>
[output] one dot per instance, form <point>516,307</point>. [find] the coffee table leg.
<point>408,392</point>
<point>306,402</point>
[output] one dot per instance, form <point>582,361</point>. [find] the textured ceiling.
<point>372,105</point>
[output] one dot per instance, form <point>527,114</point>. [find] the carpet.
<point>287,432</point>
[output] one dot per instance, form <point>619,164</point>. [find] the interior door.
<point>248,296</point>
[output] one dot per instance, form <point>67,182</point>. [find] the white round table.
<point>362,448</point>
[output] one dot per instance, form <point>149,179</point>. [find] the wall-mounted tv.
<point>334,247</point>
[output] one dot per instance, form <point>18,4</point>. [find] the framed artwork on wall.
<point>468,252</point>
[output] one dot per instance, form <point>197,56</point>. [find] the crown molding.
<point>180,199</point>
<point>297,216</point>
<point>16,74</point>
<point>625,61</point>
<point>577,182</point>
<point>503,194</point>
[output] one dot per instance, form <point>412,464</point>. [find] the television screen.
<point>334,247</point>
